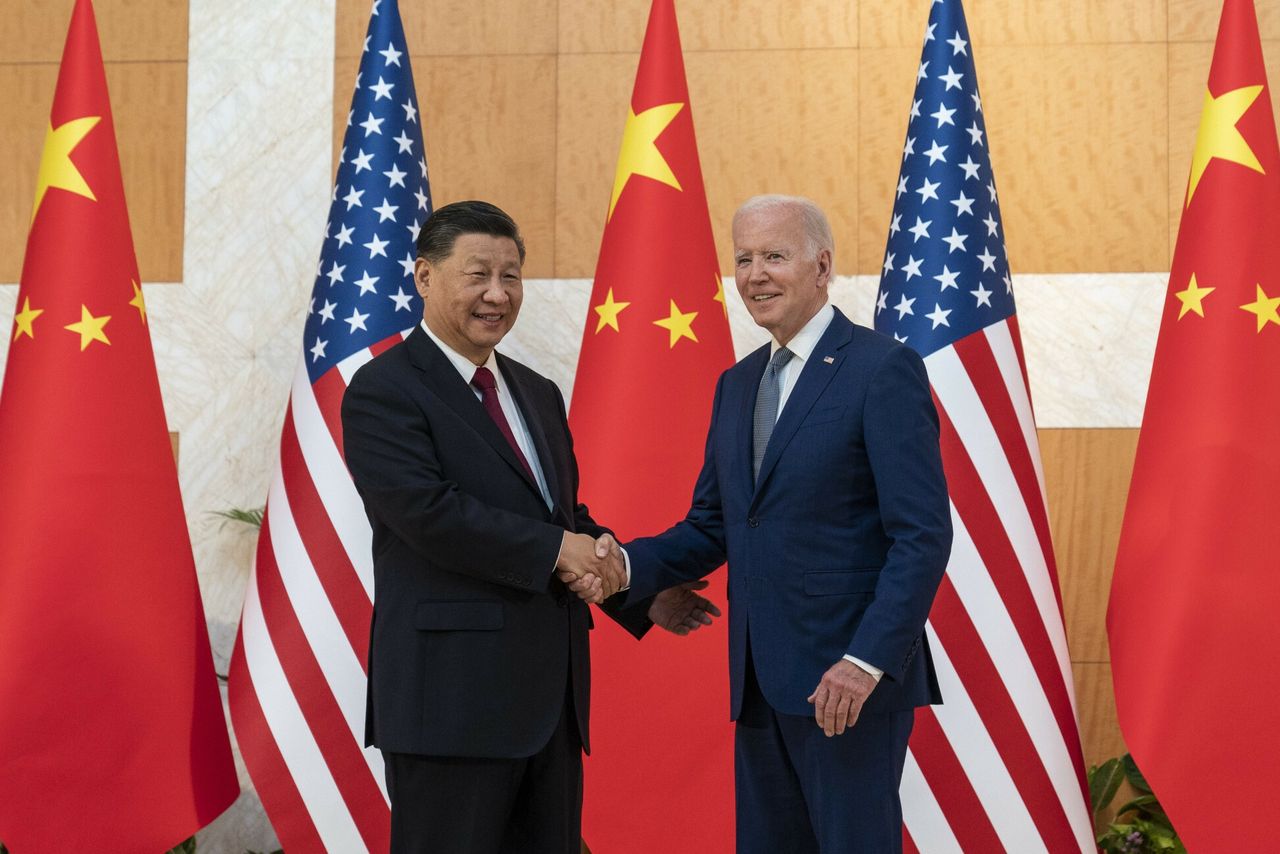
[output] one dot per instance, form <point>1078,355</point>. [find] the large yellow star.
<point>719,297</point>
<point>56,168</point>
<point>609,311</point>
<point>1193,298</point>
<point>679,324</point>
<point>89,328</point>
<point>138,302</point>
<point>1218,136</point>
<point>24,320</point>
<point>1265,308</point>
<point>640,154</point>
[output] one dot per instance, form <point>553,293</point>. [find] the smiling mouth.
<point>487,318</point>
<point>764,297</point>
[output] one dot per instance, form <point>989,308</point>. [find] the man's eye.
<point>743,261</point>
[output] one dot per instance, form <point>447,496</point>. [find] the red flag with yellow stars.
<point>656,340</point>
<point>112,734</point>
<point>1196,593</point>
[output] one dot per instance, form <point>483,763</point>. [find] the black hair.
<point>447,224</point>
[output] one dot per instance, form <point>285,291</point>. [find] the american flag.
<point>998,766</point>
<point>298,672</point>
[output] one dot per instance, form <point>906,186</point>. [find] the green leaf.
<point>251,516</point>
<point>187,846</point>
<point>1134,776</point>
<point>1140,803</point>
<point>1104,780</point>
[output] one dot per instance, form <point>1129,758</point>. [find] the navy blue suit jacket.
<point>840,545</point>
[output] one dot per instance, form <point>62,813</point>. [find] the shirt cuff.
<point>626,559</point>
<point>875,672</point>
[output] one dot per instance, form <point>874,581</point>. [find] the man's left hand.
<point>680,610</point>
<point>838,699</point>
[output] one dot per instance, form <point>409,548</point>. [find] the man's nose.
<point>494,292</point>
<point>757,272</point>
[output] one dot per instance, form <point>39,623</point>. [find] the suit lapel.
<point>534,419</point>
<point>444,379</point>
<point>817,373</point>
<point>753,370</point>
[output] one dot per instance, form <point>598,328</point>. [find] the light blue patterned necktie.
<point>766,414</point>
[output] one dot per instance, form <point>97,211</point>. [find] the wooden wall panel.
<point>1197,20</point>
<point>590,26</point>
<point>748,141</point>
<point>130,30</point>
<point>1003,22</point>
<point>457,27</point>
<point>149,104</point>
<point>1096,706</point>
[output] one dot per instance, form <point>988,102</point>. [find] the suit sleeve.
<point>901,432</point>
<point>631,614</point>
<point>693,547</point>
<point>390,452</point>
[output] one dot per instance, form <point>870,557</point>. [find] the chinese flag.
<point>660,777</point>
<point>1196,595</point>
<point>111,728</point>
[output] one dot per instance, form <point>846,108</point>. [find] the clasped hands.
<point>594,569</point>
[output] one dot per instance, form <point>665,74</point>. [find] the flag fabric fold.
<point>1191,620</point>
<point>657,336</point>
<point>111,725</point>
<point>998,766</point>
<point>299,668</point>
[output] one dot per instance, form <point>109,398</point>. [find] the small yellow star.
<point>679,324</point>
<point>609,311</point>
<point>56,168</point>
<point>25,320</point>
<point>1193,298</point>
<point>1265,308</point>
<point>89,328</point>
<point>640,154</point>
<point>138,302</point>
<point>719,297</point>
<point>1218,136</point>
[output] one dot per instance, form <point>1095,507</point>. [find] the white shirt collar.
<point>465,366</point>
<point>801,346</point>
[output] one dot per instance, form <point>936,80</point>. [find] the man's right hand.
<point>593,569</point>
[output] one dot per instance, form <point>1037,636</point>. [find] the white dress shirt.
<point>515,418</point>
<point>801,346</point>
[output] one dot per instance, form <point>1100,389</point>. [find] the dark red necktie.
<point>488,386</point>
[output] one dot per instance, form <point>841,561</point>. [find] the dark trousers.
<point>450,805</point>
<point>801,792</point>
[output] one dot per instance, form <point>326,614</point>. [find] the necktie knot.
<point>484,379</point>
<point>779,360</point>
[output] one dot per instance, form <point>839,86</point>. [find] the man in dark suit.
<point>478,662</point>
<point>823,487</point>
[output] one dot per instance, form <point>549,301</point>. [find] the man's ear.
<point>422,276</point>
<point>824,266</point>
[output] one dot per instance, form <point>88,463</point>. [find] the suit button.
<point>753,522</point>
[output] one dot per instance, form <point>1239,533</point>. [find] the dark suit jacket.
<point>473,640</point>
<point>840,546</point>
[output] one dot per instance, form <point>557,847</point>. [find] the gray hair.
<point>816,227</point>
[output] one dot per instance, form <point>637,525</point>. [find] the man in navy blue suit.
<point>823,487</point>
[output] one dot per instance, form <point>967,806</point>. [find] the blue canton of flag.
<point>364,288</point>
<point>945,273</point>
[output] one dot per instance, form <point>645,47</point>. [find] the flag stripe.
<point>293,738</point>
<point>997,636</point>
<point>343,672</point>
<point>1008,359</point>
<point>332,565</point>
<point>951,788</point>
<point>974,502</point>
<point>329,474</point>
<point>921,811</point>
<point>967,414</point>
<point>280,797</point>
<point>356,780</point>
<point>970,736</point>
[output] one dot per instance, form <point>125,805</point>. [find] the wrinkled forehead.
<point>780,227</point>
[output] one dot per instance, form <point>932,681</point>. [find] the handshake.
<point>594,569</point>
